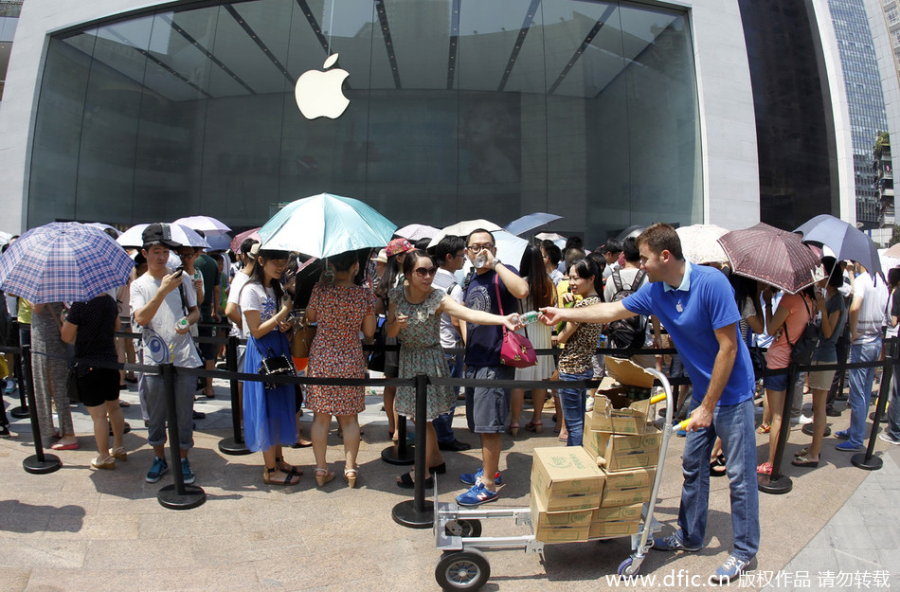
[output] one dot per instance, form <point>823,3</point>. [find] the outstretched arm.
<point>455,309</point>
<point>604,312</point>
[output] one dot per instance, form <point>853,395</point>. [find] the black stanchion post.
<point>868,461</point>
<point>21,411</point>
<point>235,444</point>
<point>776,482</point>
<point>400,453</point>
<point>40,463</point>
<point>418,513</point>
<point>178,496</point>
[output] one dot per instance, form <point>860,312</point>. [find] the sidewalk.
<point>84,530</point>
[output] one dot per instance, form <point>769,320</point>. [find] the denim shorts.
<point>776,383</point>
<point>488,406</point>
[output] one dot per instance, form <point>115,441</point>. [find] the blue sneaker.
<point>848,447</point>
<point>731,569</point>
<point>681,433</point>
<point>186,471</point>
<point>673,542</point>
<point>10,386</point>
<point>157,470</point>
<point>477,495</point>
<point>475,478</point>
<point>842,435</point>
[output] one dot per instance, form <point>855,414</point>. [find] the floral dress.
<point>336,351</point>
<point>421,353</point>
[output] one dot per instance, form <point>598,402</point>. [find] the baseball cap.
<point>397,246</point>
<point>159,233</point>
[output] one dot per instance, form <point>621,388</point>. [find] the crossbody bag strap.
<point>499,300</point>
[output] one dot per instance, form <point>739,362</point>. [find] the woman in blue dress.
<point>269,421</point>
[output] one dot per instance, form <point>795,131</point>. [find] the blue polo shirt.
<point>691,313</point>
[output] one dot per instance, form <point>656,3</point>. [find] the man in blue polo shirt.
<point>696,305</point>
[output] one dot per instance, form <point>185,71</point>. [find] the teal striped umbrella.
<point>324,225</point>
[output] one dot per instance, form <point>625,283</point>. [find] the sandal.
<point>717,467</point>
<point>289,479</point>
<point>118,453</point>
<point>803,461</point>
<point>513,429</point>
<point>764,469</point>
<point>802,451</point>
<point>61,445</point>
<point>323,476</point>
<point>109,464</point>
<point>535,426</point>
<point>286,468</point>
<point>350,476</point>
<point>763,428</point>
<point>405,481</point>
<point>439,469</point>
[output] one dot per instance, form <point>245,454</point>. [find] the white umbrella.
<point>463,229</point>
<point>416,232</point>
<point>103,226</point>
<point>700,243</point>
<point>4,237</point>
<point>180,234</point>
<point>206,224</point>
<point>510,249</point>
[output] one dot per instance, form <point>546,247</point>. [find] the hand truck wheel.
<point>462,570</point>
<point>470,528</point>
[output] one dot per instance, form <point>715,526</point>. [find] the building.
<point>9,18</point>
<point>608,113</point>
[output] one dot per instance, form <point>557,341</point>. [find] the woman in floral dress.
<point>341,308</point>
<point>415,315</point>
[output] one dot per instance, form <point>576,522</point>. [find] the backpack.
<point>627,333</point>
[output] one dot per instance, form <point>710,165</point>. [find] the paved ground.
<point>84,530</point>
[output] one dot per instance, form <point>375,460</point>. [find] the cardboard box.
<point>565,471</point>
<point>614,413</point>
<point>547,532</point>
<point>541,516</point>
<point>613,529</point>
<point>629,373</point>
<point>628,487</point>
<point>617,513</point>
<point>617,452</point>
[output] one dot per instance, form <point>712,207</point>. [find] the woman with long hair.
<point>268,409</point>
<point>576,360</point>
<point>541,293</point>
<point>342,309</point>
<point>415,315</point>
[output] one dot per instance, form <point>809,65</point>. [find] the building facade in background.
<point>9,18</point>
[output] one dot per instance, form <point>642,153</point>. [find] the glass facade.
<point>865,100</point>
<point>459,109</point>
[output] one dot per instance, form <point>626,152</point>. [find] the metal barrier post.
<point>21,411</point>
<point>868,461</point>
<point>418,513</point>
<point>40,463</point>
<point>776,482</point>
<point>235,444</point>
<point>178,496</point>
<point>400,453</point>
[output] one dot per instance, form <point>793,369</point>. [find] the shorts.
<point>207,350</point>
<point>98,386</point>
<point>486,406</point>
<point>778,382</point>
<point>821,379</point>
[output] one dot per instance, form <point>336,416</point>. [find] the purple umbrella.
<point>771,255</point>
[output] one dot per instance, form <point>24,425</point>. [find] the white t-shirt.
<point>444,279</point>
<point>262,300</point>
<point>161,344</point>
<point>871,313</point>
<point>234,296</point>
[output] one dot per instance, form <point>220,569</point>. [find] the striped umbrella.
<point>63,262</point>
<point>771,255</point>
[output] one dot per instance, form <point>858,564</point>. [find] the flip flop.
<point>717,467</point>
<point>70,446</point>
<point>763,429</point>
<point>406,482</point>
<point>802,461</point>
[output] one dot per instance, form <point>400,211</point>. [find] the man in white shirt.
<point>870,296</point>
<point>165,312</point>
<point>450,255</point>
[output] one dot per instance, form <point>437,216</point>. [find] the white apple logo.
<point>318,92</point>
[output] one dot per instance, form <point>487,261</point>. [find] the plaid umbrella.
<point>771,255</point>
<point>63,262</point>
<point>847,242</point>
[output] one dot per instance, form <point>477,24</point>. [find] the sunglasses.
<point>426,271</point>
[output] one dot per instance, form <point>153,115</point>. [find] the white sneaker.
<point>803,420</point>
<point>885,437</point>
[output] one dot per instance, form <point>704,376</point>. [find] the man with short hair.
<point>611,251</point>
<point>158,302</point>
<point>629,277</point>
<point>209,313</point>
<point>552,255</point>
<point>870,296</point>
<point>696,305</point>
<point>487,407</point>
<point>450,254</point>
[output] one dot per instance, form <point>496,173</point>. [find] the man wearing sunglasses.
<point>487,407</point>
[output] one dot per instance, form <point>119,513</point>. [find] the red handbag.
<point>516,350</point>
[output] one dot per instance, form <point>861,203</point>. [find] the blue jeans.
<point>572,402</point>
<point>893,413</point>
<point>442,423</point>
<point>861,380</point>
<point>734,424</point>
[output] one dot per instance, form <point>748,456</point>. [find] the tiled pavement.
<point>84,530</point>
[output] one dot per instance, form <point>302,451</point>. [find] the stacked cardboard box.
<point>621,442</point>
<point>566,487</point>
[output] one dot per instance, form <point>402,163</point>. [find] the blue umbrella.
<point>846,241</point>
<point>324,225</point>
<point>63,262</point>
<point>530,222</point>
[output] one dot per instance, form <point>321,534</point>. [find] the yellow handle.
<point>658,398</point>
<point>684,424</point>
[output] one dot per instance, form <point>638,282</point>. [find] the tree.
<point>882,141</point>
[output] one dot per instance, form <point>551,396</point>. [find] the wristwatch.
<point>495,264</point>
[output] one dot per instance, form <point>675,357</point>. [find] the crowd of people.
<point>640,292</point>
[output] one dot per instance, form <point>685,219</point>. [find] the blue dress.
<point>269,414</point>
